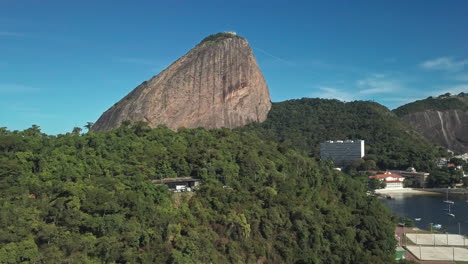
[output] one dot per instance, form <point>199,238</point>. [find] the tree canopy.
<point>88,198</point>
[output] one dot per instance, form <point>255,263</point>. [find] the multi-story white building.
<point>342,152</point>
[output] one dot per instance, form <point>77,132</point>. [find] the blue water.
<point>430,208</point>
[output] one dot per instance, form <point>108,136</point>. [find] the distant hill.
<point>302,124</point>
<point>443,119</point>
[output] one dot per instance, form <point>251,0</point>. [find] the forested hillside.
<point>303,123</point>
<point>87,198</point>
<point>441,103</point>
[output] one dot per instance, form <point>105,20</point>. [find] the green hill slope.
<point>88,199</point>
<point>440,103</point>
<point>302,124</point>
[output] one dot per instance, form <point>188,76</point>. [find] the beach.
<point>405,190</point>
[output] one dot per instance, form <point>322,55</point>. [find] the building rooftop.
<point>175,180</point>
<point>343,141</point>
<point>386,175</point>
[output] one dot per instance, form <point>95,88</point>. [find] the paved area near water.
<point>437,239</point>
<point>439,253</point>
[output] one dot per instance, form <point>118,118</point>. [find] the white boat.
<point>449,213</point>
<point>447,200</point>
<point>437,226</point>
<point>417,219</point>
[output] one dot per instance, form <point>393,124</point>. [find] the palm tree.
<point>89,125</point>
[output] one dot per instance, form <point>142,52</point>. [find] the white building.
<point>442,162</point>
<point>342,152</point>
<point>462,156</point>
<point>393,181</point>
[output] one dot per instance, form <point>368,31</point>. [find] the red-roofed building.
<point>393,181</point>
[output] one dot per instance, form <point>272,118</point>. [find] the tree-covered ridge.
<point>441,103</point>
<point>303,123</point>
<point>88,199</point>
<point>219,37</point>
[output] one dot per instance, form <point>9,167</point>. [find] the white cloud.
<point>456,89</point>
<point>444,64</point>
<point>333,93</point>
<point>378,83</point>
<point>364,89</point>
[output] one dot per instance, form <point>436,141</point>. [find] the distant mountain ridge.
<point>443,120</point>
<point>441,103</point>
<point>216,84</point>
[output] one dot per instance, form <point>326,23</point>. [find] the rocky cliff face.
<point>443,120</point>
<point>216,84</point>
<point>448,128</point>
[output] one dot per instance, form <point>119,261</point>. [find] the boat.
<point>447,200</point>
<point>417,219</point>
<point>437,226</point>
<point>449,213</point>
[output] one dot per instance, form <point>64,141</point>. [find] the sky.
<point>63,63</point>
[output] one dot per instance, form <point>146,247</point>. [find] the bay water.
<point>431,209</point>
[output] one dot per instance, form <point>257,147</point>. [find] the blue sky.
<point>63,63</point>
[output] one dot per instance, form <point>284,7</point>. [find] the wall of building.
<point>394,185</point>
<point>342,152</point>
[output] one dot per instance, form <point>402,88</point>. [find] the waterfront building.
<point>413,177</point>
<point>342,152</point>
<point>392,181</point>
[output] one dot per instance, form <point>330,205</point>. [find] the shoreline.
<point>450,191</point>
<point>456,191</point>
<point>406,190</point>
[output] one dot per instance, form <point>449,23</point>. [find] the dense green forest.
<point>303,123</point>
<point>88,198</point>
<point>441,103</point>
